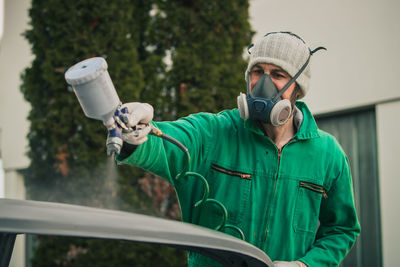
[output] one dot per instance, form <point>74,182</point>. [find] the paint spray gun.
<point>98,98</point>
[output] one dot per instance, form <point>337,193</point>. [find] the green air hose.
<point>186,173</point>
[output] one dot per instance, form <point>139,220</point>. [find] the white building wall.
<point>15,56</point>
<point>387,116</point>
<point>14,188</point>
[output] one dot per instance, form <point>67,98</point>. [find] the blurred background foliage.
<point>181,56</point>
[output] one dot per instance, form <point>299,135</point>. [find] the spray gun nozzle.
<point>114,141</point>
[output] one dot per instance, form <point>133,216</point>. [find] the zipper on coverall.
<point>275,183</point>
<point>314,187</point>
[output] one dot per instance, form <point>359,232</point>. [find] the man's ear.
<point>299,95</point>
<point>298,92</point>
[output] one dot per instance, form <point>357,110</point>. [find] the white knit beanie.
<point>285,50</point>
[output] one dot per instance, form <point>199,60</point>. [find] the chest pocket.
<point>306,214</point>
<point>231,188</point>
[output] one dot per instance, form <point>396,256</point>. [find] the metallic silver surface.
<point>46,218</point>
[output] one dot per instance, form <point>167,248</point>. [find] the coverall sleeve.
<point>164,158</point>
<point>339,226</point>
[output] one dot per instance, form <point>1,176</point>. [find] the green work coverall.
<point>294,204</point>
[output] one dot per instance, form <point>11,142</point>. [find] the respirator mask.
<point>264,103</point>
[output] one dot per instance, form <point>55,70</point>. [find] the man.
<point>285,184</point>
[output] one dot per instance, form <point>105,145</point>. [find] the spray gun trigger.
<point>124,118</point>
<point>137,128</point>
<point>124,115</point>
<point>120,123</point>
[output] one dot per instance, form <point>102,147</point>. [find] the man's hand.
<point>135,118</point>
<point>289,264</point>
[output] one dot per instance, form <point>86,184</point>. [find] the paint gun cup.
<point>97,96</point>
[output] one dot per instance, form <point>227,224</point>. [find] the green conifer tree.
<point>67,150</point>
<point>206,40</point>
